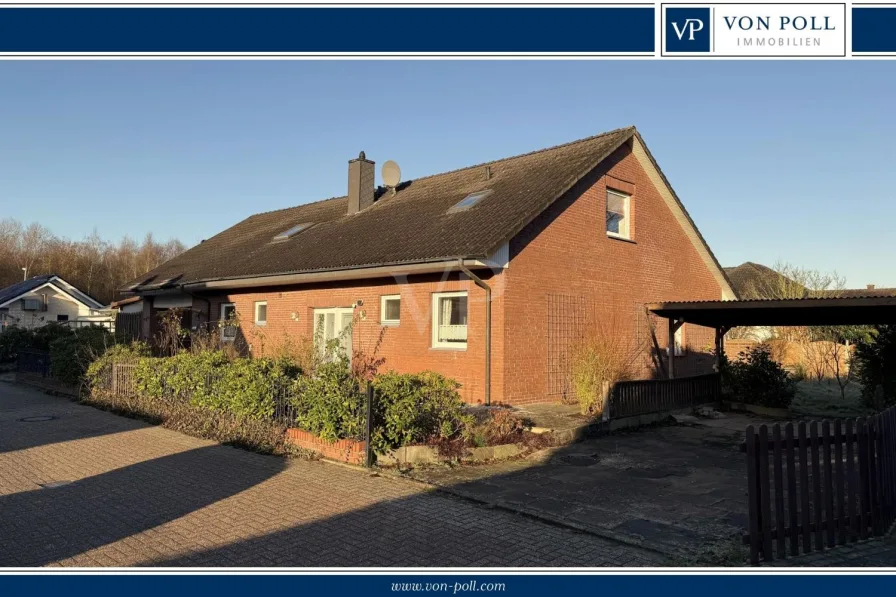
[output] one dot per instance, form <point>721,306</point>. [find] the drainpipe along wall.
<point>488,328</point>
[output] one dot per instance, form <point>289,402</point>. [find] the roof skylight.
<point>470,200</point>
<point>288,234</point>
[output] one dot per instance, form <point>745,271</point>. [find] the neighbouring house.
<point>489,274</point>
<point>754,281</point>
<point>47,299</point>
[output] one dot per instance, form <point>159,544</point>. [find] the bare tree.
<point>94,265</point>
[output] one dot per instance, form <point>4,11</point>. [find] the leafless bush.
<point>604,355</point>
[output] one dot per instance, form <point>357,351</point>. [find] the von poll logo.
<point>687,29</point>
<point>755,30</point>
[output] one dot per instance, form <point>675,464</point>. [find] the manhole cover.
<point>39,419</point>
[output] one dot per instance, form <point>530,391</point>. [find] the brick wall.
<point>407,347</point>
<point>566,252</point>
<point>344,450</point>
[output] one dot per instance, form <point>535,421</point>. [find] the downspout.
<point>488,328</point>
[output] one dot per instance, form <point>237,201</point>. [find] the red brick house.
<point>485,274</point>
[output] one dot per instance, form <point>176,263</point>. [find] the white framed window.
<point>449,320</point>
<point>390,309</point>
<point>228,316</point>
<point>618,214</point>
<point>333,332</point>
<point>261,313</point>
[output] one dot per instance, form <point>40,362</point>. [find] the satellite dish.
<point>391,174</point>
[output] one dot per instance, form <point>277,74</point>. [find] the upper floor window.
<point>618,219</point>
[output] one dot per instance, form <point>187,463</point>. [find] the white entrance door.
<point>332,331</point>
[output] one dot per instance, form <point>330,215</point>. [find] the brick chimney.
<point>360,184</point>
<point>871,287</point>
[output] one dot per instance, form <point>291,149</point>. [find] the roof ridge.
<point>528,153</point>
<point>512,157</point>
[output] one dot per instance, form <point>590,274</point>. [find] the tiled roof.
<point>412,226</point>
<point>755,281</point>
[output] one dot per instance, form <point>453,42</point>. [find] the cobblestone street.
<point>89,488</point>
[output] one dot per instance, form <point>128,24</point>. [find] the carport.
<point>724,315</point>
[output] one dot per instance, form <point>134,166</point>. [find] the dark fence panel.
<point>35,362</point>
<point>630,398</point>
<point>127,326</point>
<point>829,484</point>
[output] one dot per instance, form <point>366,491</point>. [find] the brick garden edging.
<point>343,450</point>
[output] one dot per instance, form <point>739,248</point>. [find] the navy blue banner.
<point>733,585</point>
<point>874,29</point>
<point>327,30</point>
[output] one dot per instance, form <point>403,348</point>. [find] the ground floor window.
<point>449,320</point>
<point>333,332</point>
<point>228,320</point>
<point>390,309</point>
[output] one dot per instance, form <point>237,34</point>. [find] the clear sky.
<point>792,161</point>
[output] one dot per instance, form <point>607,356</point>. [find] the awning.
<point>781,312</point>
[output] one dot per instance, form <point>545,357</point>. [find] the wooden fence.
<point>122,380</point>
<point>828,484</point>
<point>127,326</point>
<point>630,398</point>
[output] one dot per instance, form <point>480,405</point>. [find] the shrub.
<point>72,353</point>
<point>12,340</point>
<point>43,337</point>
<point>329,403</point>
<point>756,378</point>
<point>415,408</point>
<point>599,360</point>
<point>496,426</point>
<point>874,364</point>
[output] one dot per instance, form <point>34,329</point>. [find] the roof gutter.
<point>488,327</point>
<point>336,275</point>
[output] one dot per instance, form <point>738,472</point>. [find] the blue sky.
<point>790,161</point>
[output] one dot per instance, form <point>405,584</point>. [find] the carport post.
<point>674,324</point>
<point>720,349</point>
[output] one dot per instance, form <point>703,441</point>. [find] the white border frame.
<point>434,321</point>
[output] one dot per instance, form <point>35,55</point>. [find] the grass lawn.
<point>822,399</point>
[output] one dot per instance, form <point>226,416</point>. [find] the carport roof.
<point>865,310</point>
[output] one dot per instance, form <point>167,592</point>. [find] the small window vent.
<point>291,232</point>
<point>470,200</point>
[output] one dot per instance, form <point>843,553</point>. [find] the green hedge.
<point>409,408</point>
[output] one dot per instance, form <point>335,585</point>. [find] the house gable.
<point>60,286</point>
<point>566,271</point>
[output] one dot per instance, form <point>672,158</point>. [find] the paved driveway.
<point>88,488</point>
<point>673,488</point>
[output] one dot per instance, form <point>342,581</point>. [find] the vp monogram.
<point>690,27</point>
